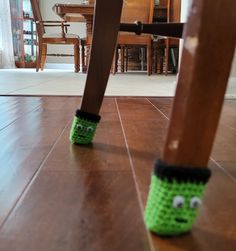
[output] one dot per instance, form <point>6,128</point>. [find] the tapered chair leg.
<point>87,117</point>
<point>76,57</point>
<point>43,56</point>
<point>38,59</point>
<point>149,60</point>
<point>83,56</point>
<point>179,177</point>
<point>115,62</point>
<point>126,59</point>
<point>122,58</point>
<point>167,46</point>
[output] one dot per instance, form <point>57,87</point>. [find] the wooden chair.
<point>135,10</point>
<point>54,38</point>
<point>199,93</point>
<point>166,44</point>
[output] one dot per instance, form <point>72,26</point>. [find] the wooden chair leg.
<point>149,60</point>
<point>87,56</point>
<point>86,118</point>
<point>100,63</point>
<point>159,60</point>
<point>155,58</point>
<point>38,53</point>
<point>200,91</point>
<point>116,59</point>
<point>199,96</point>
<point>83,58</point>
<point>122,58</point>
<point>167,45</point>
<point>43,56</point>
<point>76,57</point>
<point>115,62</point>
<point>126,61</point>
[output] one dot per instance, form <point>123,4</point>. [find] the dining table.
<point>85,13</point>
<point>77,13</point>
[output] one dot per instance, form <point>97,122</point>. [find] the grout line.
<point>34,176</point>
<point>230,127</point>
<point>158,109</point>
<point>134,175</point>
<point>22,115</point>
<point>223,169</point>
<point>129,154</point>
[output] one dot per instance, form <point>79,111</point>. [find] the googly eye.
<point>79,127</point>
<point>195,202</point>
<point>178,202</point>
<point>89,129</point>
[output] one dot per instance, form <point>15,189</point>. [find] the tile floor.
<point>55,196</point>
<point>66,82</point>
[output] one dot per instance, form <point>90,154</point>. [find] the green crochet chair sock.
<point>174,196</point>
<point>83,127</point>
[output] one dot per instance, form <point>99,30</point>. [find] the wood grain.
<point>55,196</point>
<point>200,92</point>
<point>28,135</point>
<point>105,31</point>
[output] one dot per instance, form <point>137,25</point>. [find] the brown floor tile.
<point>163,104</point>
<point>215,228</point>
<point>89,211</point>
<point>26,141</point>
<point>84,198</point>
<point>145,129</point>
<point>224,148</point>
<point>107,152</point>
<point>12,108</point>
<point>230,167</point>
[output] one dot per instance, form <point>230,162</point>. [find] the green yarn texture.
<point>164,215</point>
<point>82,131</point>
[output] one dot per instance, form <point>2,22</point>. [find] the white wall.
<point>185,5</point>
<point>75,28</point>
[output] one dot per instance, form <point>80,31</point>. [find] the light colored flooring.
<point>66,82</point>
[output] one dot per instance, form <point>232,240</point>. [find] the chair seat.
<point>53,38</point>
<point>132,39</point>
<point>57,38</point>
<point>59,35</point>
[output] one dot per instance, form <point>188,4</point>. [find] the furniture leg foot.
<point>83,127</point>
<point>174,197</point>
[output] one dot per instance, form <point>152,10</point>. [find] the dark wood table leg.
<point>105,31</point>
<point>179,178</point>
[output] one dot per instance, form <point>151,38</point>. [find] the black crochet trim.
<point>181,173</point>
<point>88,116</point>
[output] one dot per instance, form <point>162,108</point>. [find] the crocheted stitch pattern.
<point>82,130</point>
<point>172,206</point>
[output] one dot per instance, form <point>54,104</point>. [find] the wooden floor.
<point>61,197</point>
